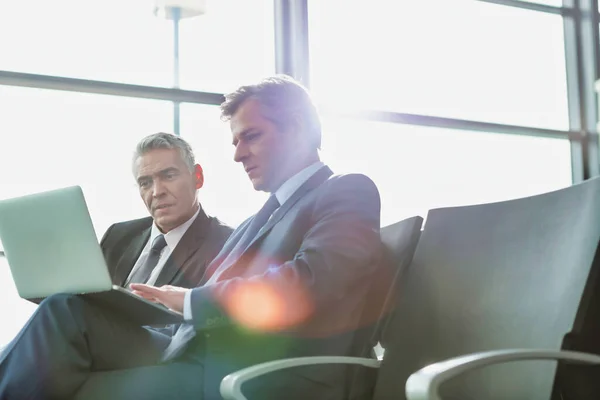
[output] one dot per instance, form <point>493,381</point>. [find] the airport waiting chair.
<point>488,283</point>
<point>399,243</point>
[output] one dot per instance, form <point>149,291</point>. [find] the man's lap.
<point>67,340</point>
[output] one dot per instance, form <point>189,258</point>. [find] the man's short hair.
<point>163,140</point>
<point>284,101</point>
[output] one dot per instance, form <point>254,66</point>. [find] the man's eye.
<point>252,136</point>
<point>144,184</point>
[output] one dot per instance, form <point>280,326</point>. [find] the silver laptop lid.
<point>50,244</point>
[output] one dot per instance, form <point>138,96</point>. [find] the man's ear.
<point>198,176</point>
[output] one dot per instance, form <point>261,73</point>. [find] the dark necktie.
<point>186,332</point>
<point>259,220</point>
<point>142,274</point>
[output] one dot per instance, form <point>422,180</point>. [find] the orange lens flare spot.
<point>259,306</point>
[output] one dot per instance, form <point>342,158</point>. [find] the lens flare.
<point>260,306</point>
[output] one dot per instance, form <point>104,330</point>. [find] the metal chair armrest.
<point>232,383</point>
<point>425,383</point>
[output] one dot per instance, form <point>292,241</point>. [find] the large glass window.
<point>123,41</point>
<point>232,44</point>
<point>110,40</point>
<point>459,59</point>
<point>227,193</point>
<point>419,168</point>
<point>53,139</point>
<point>15,311</point>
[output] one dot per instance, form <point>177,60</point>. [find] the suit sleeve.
<point>105,236</point>
<point>335,254</point>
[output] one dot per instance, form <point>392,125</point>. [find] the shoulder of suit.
<point>134,224</point>
<point>343,187</point>
<point>351,179</point>
<point>349,190</point>
<point>219,228</point>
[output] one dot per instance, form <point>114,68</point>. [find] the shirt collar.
<point>174,235</point>
<point>287,189</point>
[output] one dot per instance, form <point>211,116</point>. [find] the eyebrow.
<point>243,133</point>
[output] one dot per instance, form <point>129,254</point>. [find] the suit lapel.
<point>130,256</point>
<point>189,244</point>
<point>221,270</point>
<point>314,181</point>
<point>226,256</point>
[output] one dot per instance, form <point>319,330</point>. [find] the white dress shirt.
<point>172,238</point>
<point>283,194</point>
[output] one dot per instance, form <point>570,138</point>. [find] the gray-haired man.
<point>174,244</point>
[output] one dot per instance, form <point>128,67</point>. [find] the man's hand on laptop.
<point>170,296</point>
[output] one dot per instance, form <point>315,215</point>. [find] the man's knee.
<point>61,303</point>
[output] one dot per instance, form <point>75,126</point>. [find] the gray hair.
<point>162,140</point>
<point>285,101</point>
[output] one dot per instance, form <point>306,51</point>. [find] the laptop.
<point>51,247</point>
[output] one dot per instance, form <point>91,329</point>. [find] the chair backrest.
<point>399,243</point>
<point>580,381</point>
<point>493,276</point>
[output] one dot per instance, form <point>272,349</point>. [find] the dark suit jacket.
<point>123,243</point>
<point>319,250</point>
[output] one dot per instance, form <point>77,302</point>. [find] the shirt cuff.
<point>187,306</point>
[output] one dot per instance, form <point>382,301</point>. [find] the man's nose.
<point>157,188</point>
<point>240,153</point>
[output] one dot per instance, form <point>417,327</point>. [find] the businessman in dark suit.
<point>289,282</point>
<point>187,239</point>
